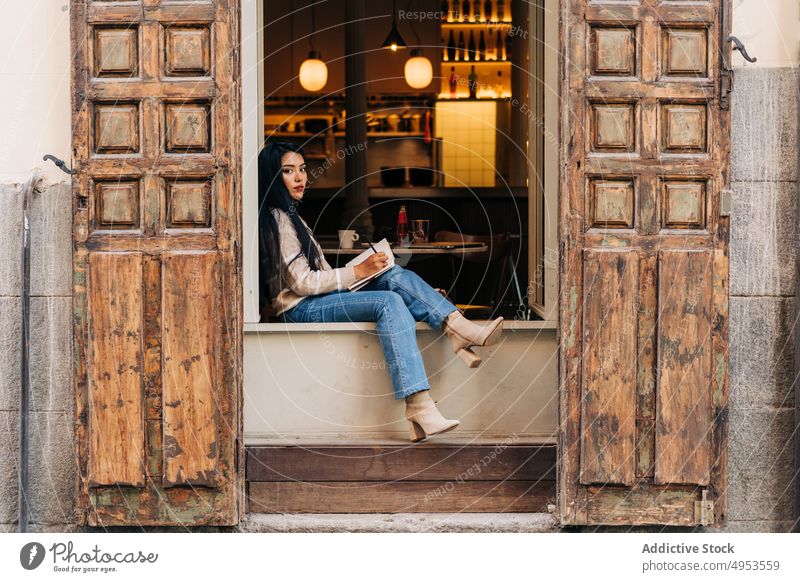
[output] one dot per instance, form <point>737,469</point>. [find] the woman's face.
<point>293,170</point>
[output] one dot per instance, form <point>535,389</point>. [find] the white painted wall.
<point>35,81</point>
<point>329,384</point>
<point>770,29</point>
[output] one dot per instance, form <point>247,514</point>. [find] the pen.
<point>375,250</point>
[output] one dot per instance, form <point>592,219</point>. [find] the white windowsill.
<point>508,325</point>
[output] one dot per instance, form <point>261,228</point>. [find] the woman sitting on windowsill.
<point>301,286</point>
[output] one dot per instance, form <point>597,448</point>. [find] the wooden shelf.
<point>341,134</point>
<point>334,99</point>
<point>380,192</point>
<point>487,24</point>
<point>394,134</point>
<point>473,99</point>
<point>293,134</point>
<point>456,63</point>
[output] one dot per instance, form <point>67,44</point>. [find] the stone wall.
<point>52,467</point>
<point>764,180</point>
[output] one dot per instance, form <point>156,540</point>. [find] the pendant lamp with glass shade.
<point>418,70</point>
<point>394,41</point>
<point>313,71</point>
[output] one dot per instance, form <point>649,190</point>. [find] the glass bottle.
<point>508,48</point>
<point>403,236</point>
<point>481,56</point>
<point>473,83</point>
<point>464,16</point>
<point>453,82</point>
<point>461,55</point>
<point>500,11</point>
<point>498,88</point>
<point>451,47</point>
<point>476,10</point>
<point>499,48</point>
<point>471,47</point>
<point>487,10</point>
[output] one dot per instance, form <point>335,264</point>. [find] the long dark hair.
<point>272,193</point>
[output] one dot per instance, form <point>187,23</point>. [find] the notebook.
<point>381,246</point>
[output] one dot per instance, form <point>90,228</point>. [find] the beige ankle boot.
<point>424,419</point>
<point>464,334</point>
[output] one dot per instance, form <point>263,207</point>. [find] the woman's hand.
<point>372,264</point>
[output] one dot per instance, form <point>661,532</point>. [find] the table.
<point>410,250</point>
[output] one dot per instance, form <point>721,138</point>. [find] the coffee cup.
<point>347,238</point>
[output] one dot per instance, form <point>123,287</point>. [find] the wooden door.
<point>644,263</point>
<point>157,289</point>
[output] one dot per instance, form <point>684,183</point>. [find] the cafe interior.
<point>414,117</point>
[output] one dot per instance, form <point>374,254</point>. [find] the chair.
<point>498,253</point>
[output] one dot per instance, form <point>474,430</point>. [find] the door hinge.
<point>726,74</point>
<point>725,202</point>
<point>725,87</point>
<point>704,510</point>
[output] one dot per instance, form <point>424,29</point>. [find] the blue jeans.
<point>395,300</point>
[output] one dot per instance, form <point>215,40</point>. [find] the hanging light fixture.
<point>394,41</point>
<point>418,70</point>
<point>313,70</point>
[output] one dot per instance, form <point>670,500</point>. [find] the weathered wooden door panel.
<point>156,289</point>
<point>644,264</point>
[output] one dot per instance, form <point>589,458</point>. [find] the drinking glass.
<point>419,230</point>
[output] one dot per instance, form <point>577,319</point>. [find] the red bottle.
<point>403,237</point>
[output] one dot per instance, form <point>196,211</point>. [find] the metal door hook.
<point>60,164</point>
<point>739,46</point>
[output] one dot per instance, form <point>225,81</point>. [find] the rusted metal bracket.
<point>739,46</point>
<point>60,164</point>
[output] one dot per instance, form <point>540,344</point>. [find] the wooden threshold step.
<point>400,496</point>
<point>401,479</point>
<point>407,462</point>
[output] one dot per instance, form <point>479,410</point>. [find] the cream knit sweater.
<point>302,281</point>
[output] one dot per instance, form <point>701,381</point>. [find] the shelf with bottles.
<point>478,63</point>
<point>489,83</point>
<point>476,11</point>
<point>394,116</point>
<point>483,47</point>
<point>489,25</point>
<point>340,134</point>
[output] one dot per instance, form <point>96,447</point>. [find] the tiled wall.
<point>468,130</point>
